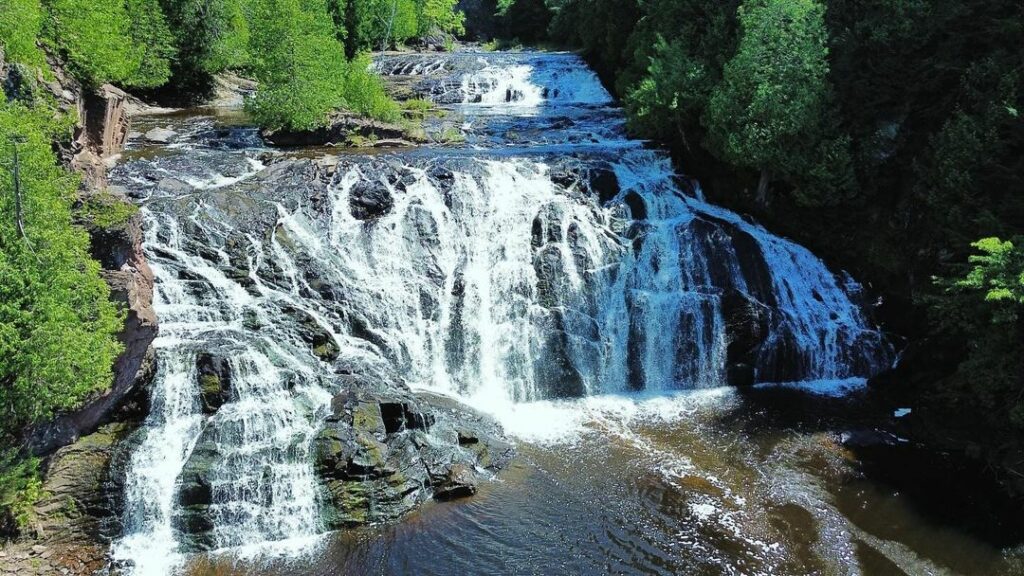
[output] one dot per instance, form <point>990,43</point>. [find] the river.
<point>677,380</point>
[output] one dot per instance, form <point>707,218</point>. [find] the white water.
<point>264,489</point>
<point>500,284</point>
<point>541,81</point>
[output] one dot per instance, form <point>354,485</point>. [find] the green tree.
<point>380,24</point>
<point>210,36</point>
<point>57,322</point>
<point>21,22</point>
<point>94,38</point>
<point>433,16</point>
<point>767,110</point>
<point>152,42</point>
<point>680,50</point>
<point>298,62</point>
<point>365,94</point>
<point>984,308</point>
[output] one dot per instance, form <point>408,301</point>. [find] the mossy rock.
<point>366,417</point>
<point>350,504</point>
<point>214,381</point>
<point>327,351</point>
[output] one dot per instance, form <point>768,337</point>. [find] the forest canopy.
<point>303,53</point>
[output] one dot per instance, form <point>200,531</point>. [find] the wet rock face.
<point>192,519</point>
<point>369,200</point>
<point>214,374</point>
<point>747,324</point>
<point>83,488</point>
<point>314,334</point>
<point>380,455</point>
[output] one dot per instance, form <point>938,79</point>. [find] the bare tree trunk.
<point>390,25</point>
<point>19,215</point>
<point>762,188</point>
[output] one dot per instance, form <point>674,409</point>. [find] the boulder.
<point>459,482</point>
<point>380,455</point>
<point>160,135</point>
<point>604,183</point>
<point>214,374</point>
<point>369,200</point>
<point>747,325</point>
<point>83,488</point>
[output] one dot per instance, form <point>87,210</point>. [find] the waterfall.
<point>552,257</point>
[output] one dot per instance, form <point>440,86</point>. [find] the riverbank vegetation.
<point>303,53</point>
<point>886,135</point>
<point>58,325</point>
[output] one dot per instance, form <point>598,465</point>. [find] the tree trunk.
<point>19,215</point>
<point>762,188</point>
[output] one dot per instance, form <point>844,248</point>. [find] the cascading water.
<point>551,257</point>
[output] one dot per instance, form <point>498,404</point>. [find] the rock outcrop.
<point>79,513</point>
<point>380,455</point>
<point>342,130</point>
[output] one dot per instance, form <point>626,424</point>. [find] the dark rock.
<point>637,206</point>
<point>377,462</point>
<point>747,325</point>
<point>369,200</point>
<point>194,496</point>
<point>460,482</point>
<point>605,184</point>
<point>214,374</point>
<point>319,338</point>
<point>868,438</point>
<point>740,374</point>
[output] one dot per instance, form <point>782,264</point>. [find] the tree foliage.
<point>21,22</point>
<point>298,62</point>
<point>94,37</point>
<point>984,307</point>
<point>767,112</point>
<point>302,71</point>
<point>210,36</point>
<point>152,42</point>
<point>20,487</point>
<point>57,323</point>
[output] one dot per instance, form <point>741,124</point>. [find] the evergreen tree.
<point>21,22</point>
<point>94,38</point>
<point>298,62</point>
<point>774,91</point>
<point>153,44</point>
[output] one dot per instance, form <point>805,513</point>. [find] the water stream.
<point>548,270</point>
